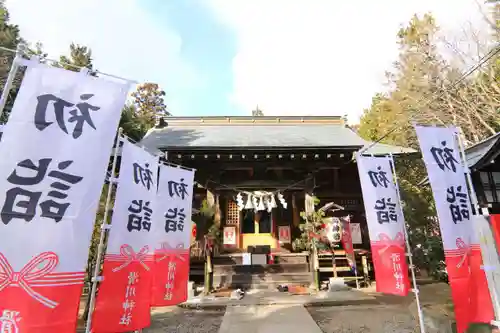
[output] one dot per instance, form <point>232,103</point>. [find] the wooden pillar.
<point>366,276</point>
<point>295,213</point>
<point>309,210</point>
<point>336,182</point>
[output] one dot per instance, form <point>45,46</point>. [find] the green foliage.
<point>79,56</point>
<point>131,124</point>
<point>419,74</point>
<point>149,102</point>
<point>9,38</point>
<point>479,328</point>
<point>311,224</point>
<point>205,222</point>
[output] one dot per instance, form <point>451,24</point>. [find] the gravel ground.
<point>178,320</point>
<point>364,319</point>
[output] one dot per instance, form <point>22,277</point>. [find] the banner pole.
<point>104,228</point>
<point>10,78</point>
<point>408,250</point>
<point>475,203</point>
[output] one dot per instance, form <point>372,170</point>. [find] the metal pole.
<point>10,78</point>
<point>408,250</point>
<point>104,227</point>
<point>491,283</point>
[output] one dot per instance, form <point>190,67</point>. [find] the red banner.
<point>495,227</point>
<point>54,155</point>
<point>469,288</point>
<point>391,269</point>
<point>385,223</point>
<point>49,298</point>
<point>481,305</point>
<point>347,243</point>
<point>171,276</point>
<point>127,278</point>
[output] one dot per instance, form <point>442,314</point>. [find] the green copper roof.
<point>259,133</point>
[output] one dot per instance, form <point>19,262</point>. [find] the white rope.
<point>26,51</point>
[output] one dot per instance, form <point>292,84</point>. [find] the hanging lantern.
<point>261,205</point>
<point>333,229</point>
<point>193,232</point>
<point>239,202</point>
<point>249,204</point>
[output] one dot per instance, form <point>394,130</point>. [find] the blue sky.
<point>208,46</point>
<point>223,57</point>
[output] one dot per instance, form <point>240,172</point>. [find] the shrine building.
<point>275,163</point>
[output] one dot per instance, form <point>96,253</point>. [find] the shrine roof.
<point>290,132</point>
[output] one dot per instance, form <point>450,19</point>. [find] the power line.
<point>27,52</point>
<point>484,59</point>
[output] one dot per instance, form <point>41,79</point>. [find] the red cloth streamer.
<point>495,225</point>
<point>36,273</point>
<point>398,242</point>
<point>128,255</point>
<point>168,251</point>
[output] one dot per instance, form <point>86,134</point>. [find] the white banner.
<point>53,159</point>
<point>172,236</point>
<point>175,197</point>
<point>386,224</point>
<point>484,236</point>
<point>441,155</point>
<point>356,233</point>
<point>383,212</point>
<point>132,223</point>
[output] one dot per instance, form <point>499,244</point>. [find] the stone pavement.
<point>266,297</point>
<point>268,319</point>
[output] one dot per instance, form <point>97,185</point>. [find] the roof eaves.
<point>257,148</point>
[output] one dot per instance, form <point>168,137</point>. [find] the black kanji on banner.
<point>143,175</point>
<point>386,211</point>
<point>379,177</point>
<point>457,198</point>
<point>444,157</point>
<point>174,219</point>
<point>79,113</point>
<point>178,189</point>
<point>21,203</point>
<point>140,216</point>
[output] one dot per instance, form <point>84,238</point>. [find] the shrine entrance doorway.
<point>257,228</point>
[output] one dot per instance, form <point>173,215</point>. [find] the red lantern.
<point>193,232</point>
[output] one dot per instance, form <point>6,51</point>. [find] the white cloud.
<point>321,57</point>
<point>124,39</point>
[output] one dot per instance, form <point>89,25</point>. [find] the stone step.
<point>267,281</point>
<point>279,257</point>
<point>260,269</point>
<point>266,277</point>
